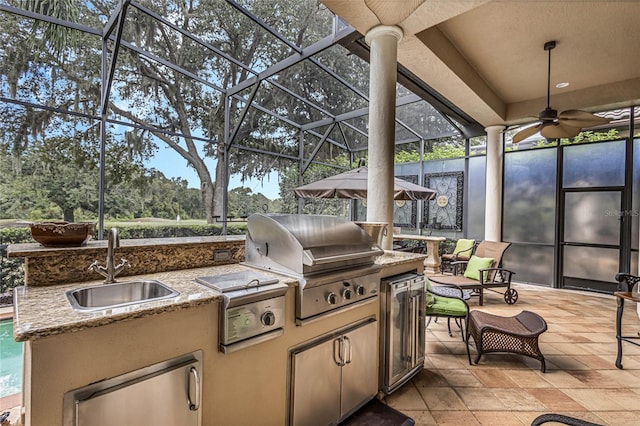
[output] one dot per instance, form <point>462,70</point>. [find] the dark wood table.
<point>621,296</point>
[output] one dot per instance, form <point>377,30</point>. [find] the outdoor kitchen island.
<point>66,349</point>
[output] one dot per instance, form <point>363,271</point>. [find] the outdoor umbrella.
<point>353,184</point>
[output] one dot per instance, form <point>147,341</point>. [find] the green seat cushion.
<point>464,246</point>
<point>475,264</point>
<point>439,305</point>
<point>447,306</point>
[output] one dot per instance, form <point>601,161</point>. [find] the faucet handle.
<point>118,268</point>
<point>96,267</point>
<point>123,262</point>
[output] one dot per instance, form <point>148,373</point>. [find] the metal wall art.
<point>445,211</point>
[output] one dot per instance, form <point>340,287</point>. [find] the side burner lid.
<point>236,281</point>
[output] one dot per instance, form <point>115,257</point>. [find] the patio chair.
<point>626,281</point>
<point>438,306</point>
<point>481,272</point>
<point>627,290</point>
<point>462,252</point>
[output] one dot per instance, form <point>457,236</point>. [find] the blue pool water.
<point>10,361</point>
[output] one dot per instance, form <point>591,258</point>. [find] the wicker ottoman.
<point>517,334</point>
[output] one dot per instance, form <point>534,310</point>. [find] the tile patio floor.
<point>505,389</point>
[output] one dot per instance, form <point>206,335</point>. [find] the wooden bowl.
<point>62,234</point>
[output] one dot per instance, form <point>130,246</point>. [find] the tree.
<point>328,206</point>
<point>54,155</point>
<point>64,175</point>
<point>176,109</point>
<point>243,203</point>
<point>159,97</point>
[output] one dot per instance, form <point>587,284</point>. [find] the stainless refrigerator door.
<point>360,371</point>
<point>398,338</point>
<point>316,384</point>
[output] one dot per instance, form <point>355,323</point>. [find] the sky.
<point>173,166</point>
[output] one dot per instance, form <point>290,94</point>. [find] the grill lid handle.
<point>310,260</point>
<point>262,248</point>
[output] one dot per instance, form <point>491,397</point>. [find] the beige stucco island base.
<point>67,349</point>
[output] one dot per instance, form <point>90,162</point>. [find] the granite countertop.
<point>37,249</point>
<point>398,258</point>
<point>46,311</point>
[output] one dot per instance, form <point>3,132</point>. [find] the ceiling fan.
<point>552,125</point>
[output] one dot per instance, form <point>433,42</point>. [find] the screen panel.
<point>594,165</point>
<point>530,196</point>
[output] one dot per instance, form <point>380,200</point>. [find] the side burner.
<point>252,309</point>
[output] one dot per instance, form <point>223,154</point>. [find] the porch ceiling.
<point>487,56</point>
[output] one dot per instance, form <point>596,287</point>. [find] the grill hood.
<point>307,245</point>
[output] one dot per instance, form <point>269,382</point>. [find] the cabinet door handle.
<point>337,352</point>
<point>196,389</point>
<point>349,352</point>
<point>412,330</point>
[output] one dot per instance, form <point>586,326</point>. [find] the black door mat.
<point>375,413</point>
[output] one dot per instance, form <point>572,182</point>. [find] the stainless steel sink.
<point>109,296</point>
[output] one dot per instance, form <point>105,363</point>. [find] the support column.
<point>383,41</point>
<point>493,188</point>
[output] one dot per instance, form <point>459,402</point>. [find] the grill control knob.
<point>360,290</point>
<point>346,294</point>
<point>332,299</point>
<point>268,318</point>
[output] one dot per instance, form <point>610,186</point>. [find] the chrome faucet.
<point>110,270</point>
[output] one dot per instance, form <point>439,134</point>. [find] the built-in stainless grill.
<point>332,258</point>
<point>252,309</point>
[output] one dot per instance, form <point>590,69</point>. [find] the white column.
<point>383,41</point>
<point>493,188</point>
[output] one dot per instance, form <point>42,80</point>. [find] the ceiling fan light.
<point>548,115</point>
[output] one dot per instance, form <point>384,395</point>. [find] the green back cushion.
<point>429,297</point>
<point>464,246</point>
<point>476,263</point>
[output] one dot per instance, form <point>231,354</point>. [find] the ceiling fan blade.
<point>526,132</point>
<point>559,130</point>
<point>577,118</point>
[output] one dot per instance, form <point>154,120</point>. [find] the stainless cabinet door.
<point>158,400</point>
<point>360,372</point>
<point>316,385</point>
